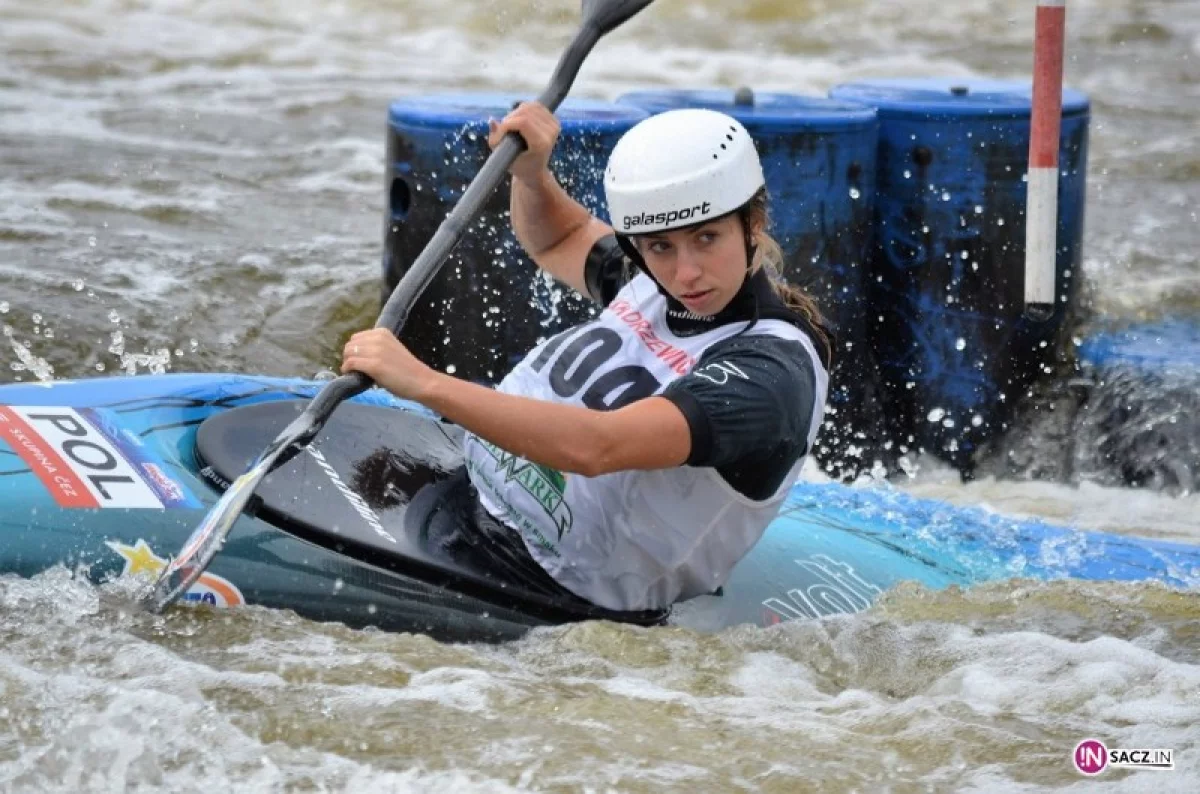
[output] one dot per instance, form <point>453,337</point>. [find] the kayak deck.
<point>832,549</point>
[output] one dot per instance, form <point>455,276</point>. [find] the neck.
<point>746,305</point>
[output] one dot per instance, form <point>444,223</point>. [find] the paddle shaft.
<point>450,232</point>
<point>599,17</point>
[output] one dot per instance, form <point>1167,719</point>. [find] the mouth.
<point>693,299</point>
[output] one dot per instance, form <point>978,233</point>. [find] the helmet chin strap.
<point>751,248</point>
<point>635,256</point>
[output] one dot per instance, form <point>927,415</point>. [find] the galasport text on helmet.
<point>680,168</point>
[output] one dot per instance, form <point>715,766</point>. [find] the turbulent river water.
<point>190,186</point>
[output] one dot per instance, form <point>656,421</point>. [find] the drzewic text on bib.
<point>629,540</point>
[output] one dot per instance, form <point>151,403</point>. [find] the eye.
<point>658,246</point>
<point>708,236</point>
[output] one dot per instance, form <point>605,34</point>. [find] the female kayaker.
<point>631,461</point>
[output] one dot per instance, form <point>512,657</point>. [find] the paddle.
<point>599,17</point>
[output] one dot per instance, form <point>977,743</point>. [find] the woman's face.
<point>702,266</point>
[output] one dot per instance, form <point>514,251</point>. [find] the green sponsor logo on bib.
<point>544,484</point>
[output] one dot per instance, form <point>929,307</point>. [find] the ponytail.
<point>768,256</point>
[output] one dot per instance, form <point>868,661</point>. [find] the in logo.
<point>1092,757</point>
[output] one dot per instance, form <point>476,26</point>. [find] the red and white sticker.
<point>75,461</point>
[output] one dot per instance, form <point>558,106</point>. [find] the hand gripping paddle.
<point>599,17</point>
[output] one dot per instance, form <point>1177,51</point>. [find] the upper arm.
<point>647,434</point>
<point>567,260</point>
<point>746,399</point>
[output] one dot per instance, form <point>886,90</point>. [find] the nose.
<point>687,268</point>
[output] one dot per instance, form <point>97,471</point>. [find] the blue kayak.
<point>110,475</point>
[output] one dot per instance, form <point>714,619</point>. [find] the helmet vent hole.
<point>722,146</point>
<point>715,157</point>
<point>729,137</point>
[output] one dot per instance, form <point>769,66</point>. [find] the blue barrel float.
<point>488,305</point>
<point>946,285</point>
<point>818,156</point>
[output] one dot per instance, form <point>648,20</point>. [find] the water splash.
<point>157,362</point>
<point>27,361</point>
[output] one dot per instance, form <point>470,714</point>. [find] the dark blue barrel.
<point>488,305</point>
<point>955,350</point>
<point>818,156</point>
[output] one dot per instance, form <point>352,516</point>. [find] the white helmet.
<point>679,168</point>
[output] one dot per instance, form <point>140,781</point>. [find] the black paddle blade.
<point>608,14</point>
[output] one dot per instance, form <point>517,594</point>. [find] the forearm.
<point>646,434</point>
<point>563,437</point>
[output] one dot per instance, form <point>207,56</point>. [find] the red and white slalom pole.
<point>1041,206</point>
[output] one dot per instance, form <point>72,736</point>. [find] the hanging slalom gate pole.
<point>1041,205</point>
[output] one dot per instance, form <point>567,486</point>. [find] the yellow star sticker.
<point>139,558</point>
